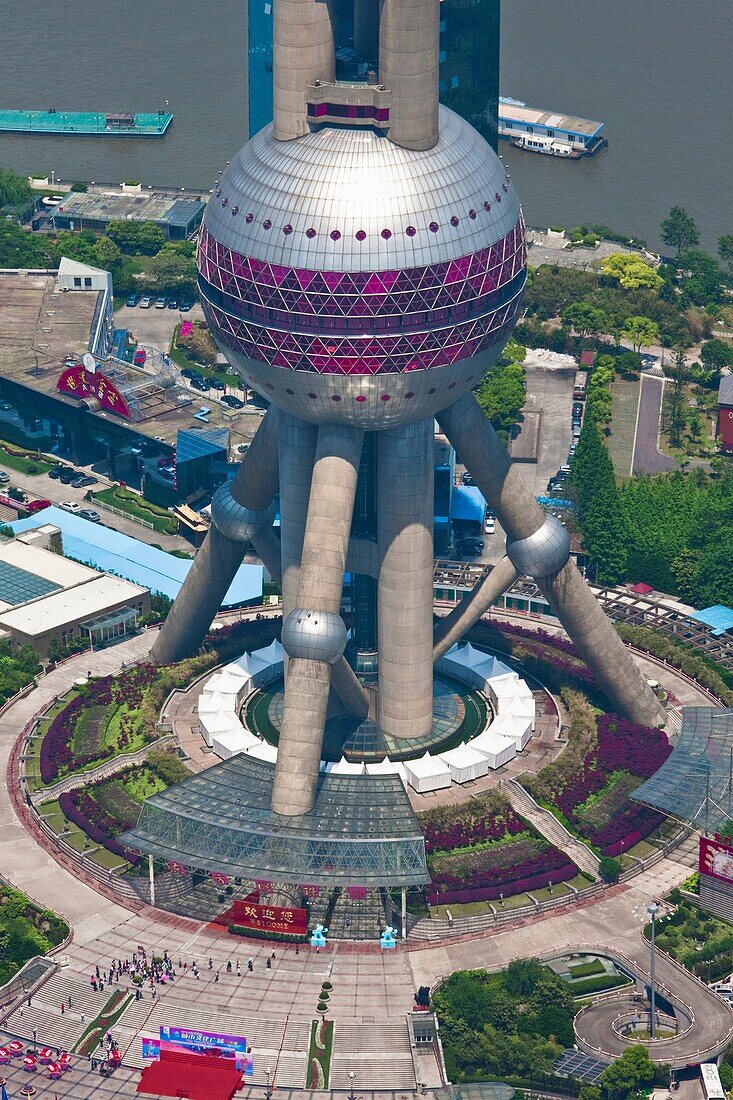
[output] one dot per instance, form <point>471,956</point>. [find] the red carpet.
<point>191,1077</point>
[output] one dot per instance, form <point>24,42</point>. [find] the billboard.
<point>716,858</point>
<point>200,1042</point>
<point>77,381</point>
<point>273,918</point>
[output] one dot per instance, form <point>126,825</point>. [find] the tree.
<point>725,251</point>
<point>14,189</point>
<point>641,332</point>
<point>631,271</point>
<point>20,248</point>
<point>700,278</point>
<point>677,417</point>
<point>107,254</point>
<point>522,975</point>
<point>609,869</point>
<point>716,354</point>
<point>501,394</point>
<point>584,318</point>
<point>631,1072</point>
<point>602,521</point>
<point>679,230</point>
<point>136,238</point>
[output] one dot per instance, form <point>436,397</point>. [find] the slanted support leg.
<point>539,547</point>
<point>314,635</point>
<point>484,593</point>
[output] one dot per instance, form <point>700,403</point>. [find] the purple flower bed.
<point>57,751</point>
<point>81,809</point>
<point>622,746</point>
<point>445,836</point>
<point>548,866</point>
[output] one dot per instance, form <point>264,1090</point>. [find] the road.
<point>648,459</point>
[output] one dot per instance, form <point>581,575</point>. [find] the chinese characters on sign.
<point>77,381</point>
<point>273,918</point>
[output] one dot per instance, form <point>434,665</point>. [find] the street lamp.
<point>268,1090</point>
<point>351,1085</point>
<point>652,909</point>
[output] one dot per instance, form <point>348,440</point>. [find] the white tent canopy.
<point>428,773</point>
<point>465,763</point>
<point>273,653</point>
<point>262,750</point>
<point>251,665</point>
<point>229,743</point>
<point>383,767</point>
<point>509,725</point>
<point>345,767</point>
<point>494,747</point>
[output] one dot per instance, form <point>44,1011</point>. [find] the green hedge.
<point>584,970</point>
<point>263,934</point>
<point>598,984</point>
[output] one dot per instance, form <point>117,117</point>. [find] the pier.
<point>119,124</point>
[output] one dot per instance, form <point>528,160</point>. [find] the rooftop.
<point>40,327</point>
<point>534,116</point>
<point>718,617</point>
<point>361,831</point>
<point>67,605</point>
<point>114,552</point>
<point>149,206</point>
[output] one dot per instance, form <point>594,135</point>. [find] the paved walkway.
<point>647,458</point>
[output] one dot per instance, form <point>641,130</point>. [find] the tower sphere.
<point>351,280</point>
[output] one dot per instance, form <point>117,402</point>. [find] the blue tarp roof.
<point>113,552</point>
<point>718,617</point>
<point>468,504</point>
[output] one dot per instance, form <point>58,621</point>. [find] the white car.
<point>70,505</point>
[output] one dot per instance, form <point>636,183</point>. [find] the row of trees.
<point>599,506</point>
<point>501,392</point>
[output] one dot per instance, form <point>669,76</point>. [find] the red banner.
<point>271,918</point>
<point>716,858</point>
<point>79,382</point>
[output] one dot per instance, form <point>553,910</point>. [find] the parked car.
<point>83,481</point>
<point>37,505</point>
<point>90,514</point>
<point>190,372</point>
<point>4,477</point>
<point>185,306</point>
<point>55,473</point>
<point>132,300</point>
<point>69,474</point>
<point>470,547</point>
<point>232,401</point>
<point>578,409</point>
<point>70,506</point>
<point>200,383</point>
<point>217,384</point>
<point>5,406</point>
<point>173,304</point>
<point>146,302</point>
<point>139,357</point>
<point>160,303</point>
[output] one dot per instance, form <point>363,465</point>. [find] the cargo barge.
<point>118,124</point>
<point>548,132</point>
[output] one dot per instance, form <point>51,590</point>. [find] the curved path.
<point>369,985</point>
<point>711,1020</point>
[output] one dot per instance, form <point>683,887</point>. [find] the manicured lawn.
<point>21,464</point>
<point>139,508</point>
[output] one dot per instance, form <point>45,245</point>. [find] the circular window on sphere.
<point>497,196</point>
<point>249,218</point>
<point>360,236</point>
<point>487,206</point>
<point>386,233</point>
<point>361,399</point>
<point>385,397</point>
<point>313,396</point>
<point>472,215</point>
<point>290,393</point>
<point>310,234</point>
<point>411,231</point>
<point>409,395</point>
<point>433,227</point>
<point>335,397</point>
<point>335,234</point>
<point>287,230</point>
<point>267,224</point>
<point>455,221</point>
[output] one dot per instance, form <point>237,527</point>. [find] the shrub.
<point>598,984</point>
<point>264,934</point>
<point>610,869</point>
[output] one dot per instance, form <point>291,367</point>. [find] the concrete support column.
<point>366,28</point>
<point>326,541</point>
<point>303,52</point>
<point>219,558</point>
<point>405,591</point>
<point>151,877</point>
<point>486,592</point>
<point>297,455</point>
<point>408,67</point>
<point>567,593</point>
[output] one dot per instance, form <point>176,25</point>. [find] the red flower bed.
<point>81,809</point>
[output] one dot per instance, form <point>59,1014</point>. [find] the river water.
<point>657,72</point>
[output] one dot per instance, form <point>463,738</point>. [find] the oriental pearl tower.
<point>362,264</point>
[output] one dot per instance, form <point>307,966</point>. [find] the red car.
<point>139,357</point>
<point>36,505</point>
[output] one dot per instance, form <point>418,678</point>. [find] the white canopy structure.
<point>263,751</point>
<point>465,763</point>
<point>273,653</point>
<point>494,747</point>
<point>502,690</point>
<point>228,681</point>
<point>210,702</point>
<point>509,725</point>
<point>254,667</point>
<point>345,767</point>
<point>231,742</point>
<point>383,767</point>
<point>428,773</point>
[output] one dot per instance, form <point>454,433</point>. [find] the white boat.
<point>539,144</point>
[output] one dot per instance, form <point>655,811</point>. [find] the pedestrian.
<point>29,1002</point>
<point>69,1000</point>
<point>94,1063</point>
<point>63,1008</point>
<point>211,964</point>
<point>229,967</point>
<point>272,956</point>
<point>216,976</point>
<point>250,964</point>
<point>239,972</point>
<point>268,964</point>
<point>297,949</point>
<point>83,1017</point>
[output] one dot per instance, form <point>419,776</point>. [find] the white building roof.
<point>44,563</point>
<point>71,605</point>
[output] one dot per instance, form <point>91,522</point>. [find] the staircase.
<point>551,829</point>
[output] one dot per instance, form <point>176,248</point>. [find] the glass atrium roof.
<point>361,832</point>
<point>695,783</point>
<point>18,585</point>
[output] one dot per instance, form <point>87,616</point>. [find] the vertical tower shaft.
<point>405,592</point>
<point>303,52</point>
<point>408,65</point>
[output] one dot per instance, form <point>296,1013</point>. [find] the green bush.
<point>610,869</point>
<point>584,970</point>
<point>598,984</point>
<point>263,934</point>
